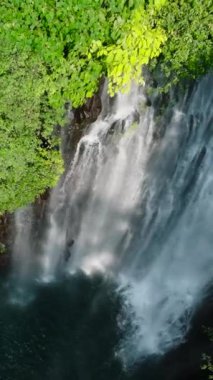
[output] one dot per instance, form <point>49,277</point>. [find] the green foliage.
<point>79,41</point>
<point>188,51</point>
<point>55,51</point>
<point>27,169</point>
<point>139,43</point>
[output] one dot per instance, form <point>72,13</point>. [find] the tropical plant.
<point>188,52</point>
<point>53,52</point>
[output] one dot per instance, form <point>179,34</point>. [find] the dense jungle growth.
<point>56,51</point>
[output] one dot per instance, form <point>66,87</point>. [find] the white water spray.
<point>136,203</point>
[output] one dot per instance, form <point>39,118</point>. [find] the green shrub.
<point>52,52</point>
<point>56,51</point>
<point>188,52</point>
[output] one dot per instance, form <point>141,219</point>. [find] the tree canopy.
<point>56,51</point>
<point>188,52</point>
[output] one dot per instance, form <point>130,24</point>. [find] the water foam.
<point>136,203</point>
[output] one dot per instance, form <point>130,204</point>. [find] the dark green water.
<point>69,331</point>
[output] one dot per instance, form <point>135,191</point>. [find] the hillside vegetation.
<point>56,51</point>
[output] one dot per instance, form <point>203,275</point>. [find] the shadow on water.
<point>70,332</point>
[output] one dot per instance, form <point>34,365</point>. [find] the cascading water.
<point>100,191</point>
<point>136,204</point>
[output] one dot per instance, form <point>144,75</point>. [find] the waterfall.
<point>100,191</point>
<point>24,261</point>
<point>135,204</point>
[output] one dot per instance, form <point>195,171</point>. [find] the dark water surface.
<point>70,331</point>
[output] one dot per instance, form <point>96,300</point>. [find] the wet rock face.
<point>4,262</point>
<point>5,221</point>
<point>4,257</point>
<point>5,240</point>
<point>89,111</point>
<point>79,119</point>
